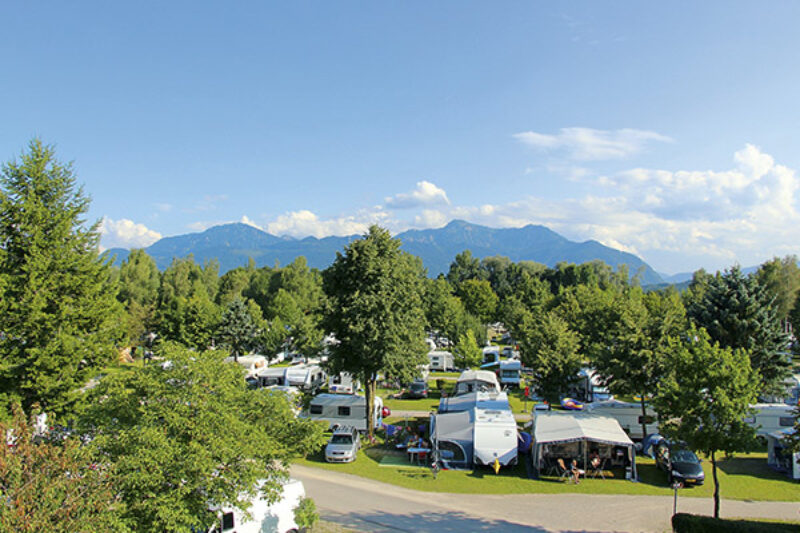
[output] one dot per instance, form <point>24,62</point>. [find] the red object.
<point>527,392</point>
<point>385,412</point>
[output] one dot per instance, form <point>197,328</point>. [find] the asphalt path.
<point>367,505</point>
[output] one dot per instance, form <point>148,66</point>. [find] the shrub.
<point>305,514</point>
<point>688,523</point>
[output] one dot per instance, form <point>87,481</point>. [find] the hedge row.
<point>689,523</point>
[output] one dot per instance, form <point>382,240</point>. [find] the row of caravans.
<point>766,418</point>
<point>475,426</point>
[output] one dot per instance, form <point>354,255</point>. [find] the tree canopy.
<point>60,315</point>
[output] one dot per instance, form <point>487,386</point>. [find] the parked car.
<point>417,389</point>
<point>343,446</point>
<point>680,463</point>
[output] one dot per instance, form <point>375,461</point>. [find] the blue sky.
<point>668,130</point>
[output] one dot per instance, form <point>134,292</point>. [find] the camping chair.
<point>563,470</point>
<point>597,466</point>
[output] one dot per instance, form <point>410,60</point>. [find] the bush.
<point>688,523</point>
<point>305,514</point>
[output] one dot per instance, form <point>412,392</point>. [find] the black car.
<point>680,463</point>
<point>418,389</point>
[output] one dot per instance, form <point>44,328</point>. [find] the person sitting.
<point>576,472</point>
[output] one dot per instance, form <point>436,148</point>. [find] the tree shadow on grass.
<point>430,522</point>
<point>750,466</point>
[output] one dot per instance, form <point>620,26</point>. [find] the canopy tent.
<point>554,428</point>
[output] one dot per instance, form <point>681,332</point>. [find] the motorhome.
<point>442,361</point>
<point>508,372</point>
<point>491,354</point>
<point>263,516</point>
<point>344,410</point>
<point>305,377</point>
<point>770,417</point>
<point>628,414</point>
<point>342,383</point>
<point>476,380</point>
<point>589,387</point>
<point>252,364</point>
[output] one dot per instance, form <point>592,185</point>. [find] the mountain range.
<point>233,244</point>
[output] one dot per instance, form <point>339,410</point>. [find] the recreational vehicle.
<point>589,387</point>
<point>628,414</point>
<point>476,380</point>
<point>780,455</point>
<point>442,361</point>
<point>263,516</point>
<point>491,354</point>
<point>268,377</point>
<point>509,373</point>
<point>251,364</point>
<point>770,417</point>
<point>344,410</point>
<point>305,377</point>
<point>475,437</point>
<point>342,383</point>
<point>482,400</point>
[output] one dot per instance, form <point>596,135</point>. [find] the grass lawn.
<point>745,477</point>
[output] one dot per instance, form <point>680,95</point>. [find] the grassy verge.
<point>744,477</point>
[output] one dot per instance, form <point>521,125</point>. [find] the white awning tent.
<point>555,427</point>
<point>779,457</point>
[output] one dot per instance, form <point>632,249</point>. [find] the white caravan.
<point>342,383</point>
<point>779,453</point>
<point>440,360</point>
<point>305,377</point>
<point>628,414</point>
<point>275,517</point>
<point>770,417</point>
<point>344,410</point>
<point>475,381</point>
<point>491,354</point>
<point>495,437</point>
<point>268,377</point>
<point>509,373</point>
<point>252,364</point>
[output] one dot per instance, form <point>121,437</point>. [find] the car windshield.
<point>684,456</point>
<point>417,386</point>
<point>341,439</point>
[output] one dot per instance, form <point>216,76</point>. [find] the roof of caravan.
<point>338,399</point>
<point>477,375</point>
<point>562,427</point>
<point>470,400</point>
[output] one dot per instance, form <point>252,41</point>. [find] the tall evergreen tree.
<point>60,316</point>
<point>238,330</point>
<point>375,311</point>
<point>738,312</point>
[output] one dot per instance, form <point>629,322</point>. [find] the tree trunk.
<point>716,485</point>
<point>369,392</point>
<point>644,416</point>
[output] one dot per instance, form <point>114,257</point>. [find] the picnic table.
<point>417,453</point>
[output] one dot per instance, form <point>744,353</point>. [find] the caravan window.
<point>344,410</point>
<point>316,409</point>
<point>786,421</point>
<point>337,379</point>
<point>227,521</point>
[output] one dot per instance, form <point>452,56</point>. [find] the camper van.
<point>251,364</point>
<point>305,377</point>
<point>442,361</point>
<point>770,417</point>
<point>491,354</point>
<point>263,516</point>
<point>589,387</point>
<point>344,410</point>
<point>342,383</point>
<point>628,414</point>
<point>476,380</point>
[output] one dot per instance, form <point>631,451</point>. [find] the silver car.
<point>343,446</point>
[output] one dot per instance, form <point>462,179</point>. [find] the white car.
<point>343,446</point>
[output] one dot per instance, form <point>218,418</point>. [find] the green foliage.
<point>53,485</point>
<point>238,330</point>
<point>467,353</point>
<point>479,299</point>
<point>781,280</point>
<point>305,514</point>
<point>139,280</point>
<point>375,311</point>
<point>705,397</point>
<point>465,267</point>
<point>550,349</point>
<point>232,285</point>
<point>688,523</point>
<point>737,312</point>
<point>60,316</point>
<point>187,434</point>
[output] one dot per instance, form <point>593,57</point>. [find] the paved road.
<point>368,505</point>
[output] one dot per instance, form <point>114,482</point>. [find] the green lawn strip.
<point>744,477</point>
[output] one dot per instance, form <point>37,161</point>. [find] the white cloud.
<point>304,223</point>
<point>430,218</point>
<point>426,193</point>
<point>247,220</point>
<point>126,233</point>
<point>591,144</point>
